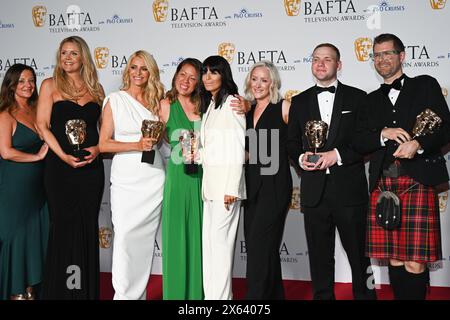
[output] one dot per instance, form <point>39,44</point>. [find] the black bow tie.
<point>397,85</point>
<point>331,89</point>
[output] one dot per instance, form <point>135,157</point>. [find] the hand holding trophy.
<point>189,146</point>
<point>76,133</point>
<point>426,122</point>
<point>151,129</point>
<point>316,134</point>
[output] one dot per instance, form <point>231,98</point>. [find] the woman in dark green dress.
<point>23,210</point>
<point>182,203</point>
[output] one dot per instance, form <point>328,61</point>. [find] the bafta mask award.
<point>189,144</point>
<point>76,133</point>
<point>426,122</point>
<point>316,134</point>
<point>151,129</point>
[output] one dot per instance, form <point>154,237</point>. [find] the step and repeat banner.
<point>244,32</point>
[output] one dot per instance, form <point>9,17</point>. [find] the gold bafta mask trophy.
<point>189,145</point>
<point>363,48</point>
<point>151,129</point>
<point>226,50</point>
<point>426,122</point>
<point>38,13</point>
<point>160,8</point>
<point>316,134</point>
<point>101,55</point>
<point>76,133</point>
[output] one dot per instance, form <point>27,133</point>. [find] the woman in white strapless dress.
<point>136,187</point>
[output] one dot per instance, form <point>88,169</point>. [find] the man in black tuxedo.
<point>334,189</point>
<point>407,165</point>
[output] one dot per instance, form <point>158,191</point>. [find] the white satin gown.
<point>136,200</point>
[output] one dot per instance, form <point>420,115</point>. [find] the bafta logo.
<point>437,4</point>
<point>226,50</point>
<point>444,92</point>
<point>295,200</point>
<point>443,199</point>
<point>105,237</point>
<point>101,55</point>
<point>363,47</point>
<point>292,7</point>
<point>290,93</point>
<point>160,8</point>
<point>38,13</point>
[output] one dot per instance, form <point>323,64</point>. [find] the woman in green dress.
<point>182,202</point>
<point>23,210</point>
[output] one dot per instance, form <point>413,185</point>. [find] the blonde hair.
<point>154,90</point>
<point>88,73</point>
<point>274,90</point>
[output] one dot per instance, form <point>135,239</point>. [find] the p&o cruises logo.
<point>245,14</point>
<point>6,25</point>
<point>116,19</point>
<point>385,6</point>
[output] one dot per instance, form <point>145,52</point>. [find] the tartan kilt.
<point>418,238</point>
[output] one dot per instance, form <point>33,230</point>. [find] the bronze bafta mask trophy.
<point>189,145</point>
<point>426,122</point>
<point>76,133</point>
<point>316,134</point>
<point>151,129</point>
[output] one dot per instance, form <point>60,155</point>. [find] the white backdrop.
<point>249,30</point>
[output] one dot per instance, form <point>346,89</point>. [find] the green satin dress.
<point>181,218</point>
<point>23,217</point>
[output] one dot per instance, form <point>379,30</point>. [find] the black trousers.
<point>320,227</point>
<point>263,230</point>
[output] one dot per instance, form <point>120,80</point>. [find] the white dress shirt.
<point>326,101</point>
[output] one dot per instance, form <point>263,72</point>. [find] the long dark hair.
<point>9,85</point>
<point>172,94</point>
<point>217,64</point>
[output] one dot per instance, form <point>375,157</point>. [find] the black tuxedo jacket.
<point>417,94</point>
<point>351,174</point>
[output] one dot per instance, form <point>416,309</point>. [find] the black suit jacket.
<point>417,94</point>
<point>351,175</point>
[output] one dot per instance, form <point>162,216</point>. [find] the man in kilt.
<point>410,166</point>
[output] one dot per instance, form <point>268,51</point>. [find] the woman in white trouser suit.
<point>222,156</point>
<point>136,187</point>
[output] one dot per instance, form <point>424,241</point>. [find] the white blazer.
<point>222,152</point>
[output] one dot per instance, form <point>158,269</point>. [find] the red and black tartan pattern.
<point>419,236</point>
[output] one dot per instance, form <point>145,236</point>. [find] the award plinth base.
<point>190,168</point>
<point>80,154</point>
<point>148,156</point>
<point>313,158</point>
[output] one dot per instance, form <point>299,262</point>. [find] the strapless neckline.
<point>77,104</point>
